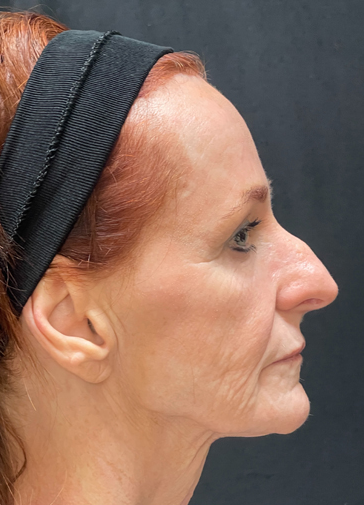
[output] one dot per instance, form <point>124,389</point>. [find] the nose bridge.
<point>303,279</point>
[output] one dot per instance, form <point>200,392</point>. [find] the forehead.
<point>215,150</point>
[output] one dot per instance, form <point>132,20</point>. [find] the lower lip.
<point>293,359</point>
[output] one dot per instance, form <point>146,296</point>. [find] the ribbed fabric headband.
<point>70,115</point>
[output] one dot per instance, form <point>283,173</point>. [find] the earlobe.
<point>53,316</point>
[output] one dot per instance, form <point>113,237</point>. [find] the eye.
<point>240,239</point>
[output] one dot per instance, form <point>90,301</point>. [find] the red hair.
<point>131,189</point>
<point>133,184</point>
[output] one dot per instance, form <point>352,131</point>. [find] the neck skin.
<point>83,447</point>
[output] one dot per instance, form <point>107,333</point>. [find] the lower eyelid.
<point>250,247</point>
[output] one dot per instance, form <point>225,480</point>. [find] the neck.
<point>88,449</point>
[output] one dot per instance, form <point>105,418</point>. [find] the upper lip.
<point>293,353</point>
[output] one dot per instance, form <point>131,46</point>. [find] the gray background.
<point>294,69</point>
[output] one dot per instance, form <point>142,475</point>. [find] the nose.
<point>304,282</point>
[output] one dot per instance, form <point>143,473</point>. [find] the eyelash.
<point>245,230</point>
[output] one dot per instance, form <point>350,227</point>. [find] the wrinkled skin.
<point>203,323</point>
<point>189,344</point>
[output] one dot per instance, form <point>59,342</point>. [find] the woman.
<point>169,316</point>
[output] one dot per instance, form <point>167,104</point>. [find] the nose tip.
<point>306,283</point>
<point>328,295</point>
<point>333,290</point>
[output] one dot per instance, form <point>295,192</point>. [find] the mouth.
<point>293,356</point>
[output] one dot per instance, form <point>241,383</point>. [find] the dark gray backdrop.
<point>294,69</point>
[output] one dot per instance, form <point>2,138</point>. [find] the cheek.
<point>198,334</point>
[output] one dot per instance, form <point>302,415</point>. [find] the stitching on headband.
<point>53,146</point>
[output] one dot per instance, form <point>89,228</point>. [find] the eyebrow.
<point>256,193</point>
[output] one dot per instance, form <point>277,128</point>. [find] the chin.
<point>282,415</point>
<point>293,415</point>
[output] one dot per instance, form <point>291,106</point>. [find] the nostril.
<point>312,304</point>
<point>314,301</point>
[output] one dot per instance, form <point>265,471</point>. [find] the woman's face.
<point>212,312</point>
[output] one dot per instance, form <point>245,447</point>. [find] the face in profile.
<point>209,320</point>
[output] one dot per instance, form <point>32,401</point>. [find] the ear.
<point>73,331</point>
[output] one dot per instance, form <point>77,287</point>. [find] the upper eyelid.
<point>248,226</point>
<point>244,226</point>
<point>251,225</point>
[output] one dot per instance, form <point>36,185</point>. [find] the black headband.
<point>69,117</point>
